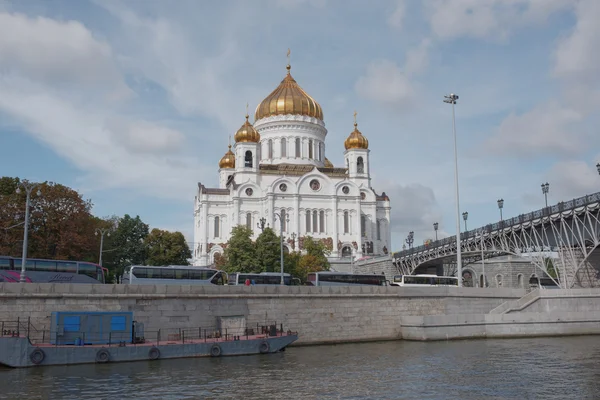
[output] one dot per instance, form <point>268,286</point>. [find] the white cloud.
<point>546,129</point>
<point>414,208</point>
<point>577,59</point>
<point>386,83</point>
<point>51,87</point>
<point>417,58</point>
<point>487,19</point>
<point>572,179</point>
<point>396,19</point>
<point>144,137</point>
<point>56,53</point>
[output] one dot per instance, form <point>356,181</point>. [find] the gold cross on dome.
<point>288,56</point>
<point>355,113</point>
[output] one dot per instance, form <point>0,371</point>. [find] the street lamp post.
<point>410,239</point>
<point>102,232</point>
<point>435,228</point>
<point>501,206</point>
<point>451,99</point>
<point>545,189</point>
<point>261,224</point>
<point>465,216</point>
<point>28,187</point>
<point>598,168</point>
<point>483,261</point>
<point>287,220</point>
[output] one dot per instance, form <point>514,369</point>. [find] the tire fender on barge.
<point>37,356</point>
<point>154,353</point>
<point>215,350</point>
<point>102,356</point>
<point>264,347</point>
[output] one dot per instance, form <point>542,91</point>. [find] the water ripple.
<point>546,368</point>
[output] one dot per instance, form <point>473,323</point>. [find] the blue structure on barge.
<point>85,327</point>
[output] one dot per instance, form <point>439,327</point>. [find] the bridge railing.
<point>507,223</point>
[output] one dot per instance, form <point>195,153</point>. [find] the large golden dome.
<point>228,160</point>
<point>356,140</point>
<point>247,133</point>
<point>288,98</point>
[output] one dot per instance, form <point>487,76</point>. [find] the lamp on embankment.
<point>435,228</point>
<point>500,206</point>
<point>545,190</point>
<point>451,99</point>
<point>465,217</point>
<point>28,187</point>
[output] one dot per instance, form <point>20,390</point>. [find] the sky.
<point>132,103</point>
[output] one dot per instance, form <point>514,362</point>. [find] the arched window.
<point>283,147</point>
<point>315,225</point>
<point>310,149</point>
<point>307,221</point>
<point>363,223</point>
<point>270,148</point>
<point>298,148</point>
<point>249,220</point>
<point>321,151</point>
<point>283,216</point>
<point>248,159</point>
<point>378,230</point>
<point>346,222</point>
<point>499,280</point>
<point>360,165</point>
<point>322,221</point>
<point>482,281</point>
<point>217,221</point>
<point>520,280</point>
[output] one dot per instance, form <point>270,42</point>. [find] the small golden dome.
<point>228,160</point>
<point>328,164</point>
<point>288,98</point>
<point>247,133</point>
<point>356,140</point>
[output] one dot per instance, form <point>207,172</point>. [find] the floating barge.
<point>87,338</point>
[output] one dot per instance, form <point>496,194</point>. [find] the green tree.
<point>126,245</point>
<point>309,263</point>
<point>291,265</point>
<point>268,251</point>
<point>317,251</point>
<point>240,253</point>
<point>166,248</point>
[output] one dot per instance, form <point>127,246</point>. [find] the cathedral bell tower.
<point>357,156</point>
<point>247,149</point>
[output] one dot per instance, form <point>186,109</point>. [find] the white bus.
<point>173,275</point>
<point>332,278</point>
<point>263,278</point>
<point>424,280</point>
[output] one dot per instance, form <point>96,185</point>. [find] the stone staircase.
<point>517,305</point>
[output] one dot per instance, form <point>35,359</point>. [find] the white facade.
<point>285,172</point>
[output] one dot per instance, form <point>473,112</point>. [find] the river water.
<point>540,368</point>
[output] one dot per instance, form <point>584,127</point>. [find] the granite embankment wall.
<point>319,314</point>
<point>539,313</point>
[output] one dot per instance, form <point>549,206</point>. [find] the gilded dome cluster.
<point>288,98</point>
<point>247,133</point>
<point>228,160</point>
<point>356,140</point>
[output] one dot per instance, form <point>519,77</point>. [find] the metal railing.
<point>59,336</point>
<point>507,223</point>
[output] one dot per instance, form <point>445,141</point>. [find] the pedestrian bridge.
<point>571,229</point>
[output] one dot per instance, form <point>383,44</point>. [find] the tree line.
<point>243,255</point>
<point>62,227</point>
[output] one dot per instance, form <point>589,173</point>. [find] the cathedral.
<point>277,175</point>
